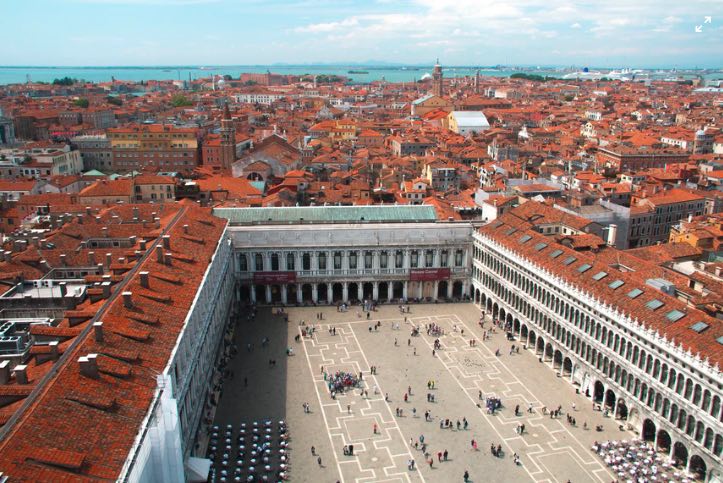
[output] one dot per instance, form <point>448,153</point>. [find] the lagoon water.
<point>12,75</point>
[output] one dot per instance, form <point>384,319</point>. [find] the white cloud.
<point>329,26</point>
<point>576,25</point>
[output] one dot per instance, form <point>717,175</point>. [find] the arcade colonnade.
<point>667,396</point>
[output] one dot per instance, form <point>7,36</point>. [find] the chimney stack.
<point>100,269</point>
<point>185,229</point>
<point>89,365</point>
<point>169,258</point>
<point>167,242</point>
<point>142,245</point>
<point>132,239</point>
<point>4,371</point>
<point>63,260</point>
<point>106,289</point>
<point>54,349</point>
<point>135,213</point>
<point>88,211</point>
<point>105,231</point>
<point>144,280</point>
<point>157,222</point>
<point>21,374</point>
<point>63,289</point>
<point>612,234</point>
<point>91,258</point>
<point>98,331</point>
<point>159,253</point>
<point>128,299</point>
<point>80,219</point>
<point>108,259</point>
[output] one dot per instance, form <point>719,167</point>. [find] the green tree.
<point>116,101</point>
<point>179,100</point>
<point>65,81</point>
<point>82,102</point>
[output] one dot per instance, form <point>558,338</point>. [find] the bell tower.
<point>437,80</point>
<point>228,139</point>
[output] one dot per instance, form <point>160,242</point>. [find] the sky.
<point>603,33</point>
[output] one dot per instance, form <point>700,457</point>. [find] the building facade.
<point>606,343</point>
<point>155,146</point>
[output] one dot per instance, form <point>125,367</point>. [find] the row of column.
<point>284,288</point>
<point>360,259</point>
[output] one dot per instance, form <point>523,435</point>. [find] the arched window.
<point>383,259</point>
<point>275,262</point>
<point>337,260</point>
<point>290,262</point>
<point>322,261</point>
<point>368,259</point>
<point>258,262</point>
<point>306,261</point>
<point>243,262</point>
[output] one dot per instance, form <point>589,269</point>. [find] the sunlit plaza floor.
<point>549,450</point>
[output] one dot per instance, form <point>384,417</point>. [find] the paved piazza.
<point>550,450</point>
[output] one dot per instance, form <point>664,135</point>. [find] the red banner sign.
<point>428,274</point>
<point>268,278</point>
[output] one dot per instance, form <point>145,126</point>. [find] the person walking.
<point>318,460</point>
<point>466,476</point>
<point>313,451</point>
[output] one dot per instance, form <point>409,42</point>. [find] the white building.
<point>467,122</point>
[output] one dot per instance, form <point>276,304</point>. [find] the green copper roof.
<point>328,214</point>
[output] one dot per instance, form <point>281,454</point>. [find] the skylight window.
<point>540,246</point>
<point>700,327</point>
<point>615,284</point>
<point>556,254</point>
<point>634,293</point>
<point>584,267</point>
<point>525,238</point>
<point>510,231</point>
<point>675,315</point>
<point>654,304</point>
<point>720,340</point>
<point>568,260</point>
<point>599,275</point>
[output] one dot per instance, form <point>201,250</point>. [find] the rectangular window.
<point>556,254</point>
<point>636,292</point>
<point>599,275</point>
<point>568,260</point>
<point>383,260</point>
<point>584,267</point>
<point>458,255</point>
<point>444,262</point>
<point>415,258</point>
<point>699,327</point>
<point>352,260</point>
<point>654,304</point>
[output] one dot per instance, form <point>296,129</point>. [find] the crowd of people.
<point>341,381</point>
<point>637,460</point>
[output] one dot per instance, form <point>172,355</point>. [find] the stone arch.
<point>567,367</point>
<point>698,467</point>
<point>680,454</point>
<point>663,441</point>
<point>648,430</point>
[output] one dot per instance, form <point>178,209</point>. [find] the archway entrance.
<point>567,367</point>
<point>260,294</point>
<point>337,292</point>
<point>398,290</point>
<point>383,290</point>
<point>610,399</point>
<point>275,294</point>
<point>322,292</point>
<point>648,432</point>
<point>245,293</point>
<point>557,360</point>
<point>306,293</point>
<point>622,411</point>
<point>663,442</point>
<point>598,392</point>
<point>680,454</point>
<point>368,290</point>
<point>548,352</point>
<point>457,290</point>
<point>540,347</point>
<point>442,289</point>
<point>291,293</point>
<point>353,290</point>
<point>698,467</point>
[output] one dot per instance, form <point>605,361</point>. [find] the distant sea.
<point>20,74</point>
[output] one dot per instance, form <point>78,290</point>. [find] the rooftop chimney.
<point>169,258</point>
<point>612,234</point>
<point>98,331</point>
<point>21,374</point>
<point>105,231</point>
<point>144,280</point>
<point>63,260</point>
<point>89,365</point>
<point>80,219</point>
<point>91,258</point>
<point>143,245</point>
<point>132,239</point>
<point>4,371</point>
<point>108,259</point>
<point>157,222</point>
<point>159,253</point>
<point>185,229</point>
<point>167,242</point>
<point>54,349</point>
<point>63,289</point>
<point>106,289</point>
<point>100,268</point>
<point>128,299</point>
<point>88,211</point>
